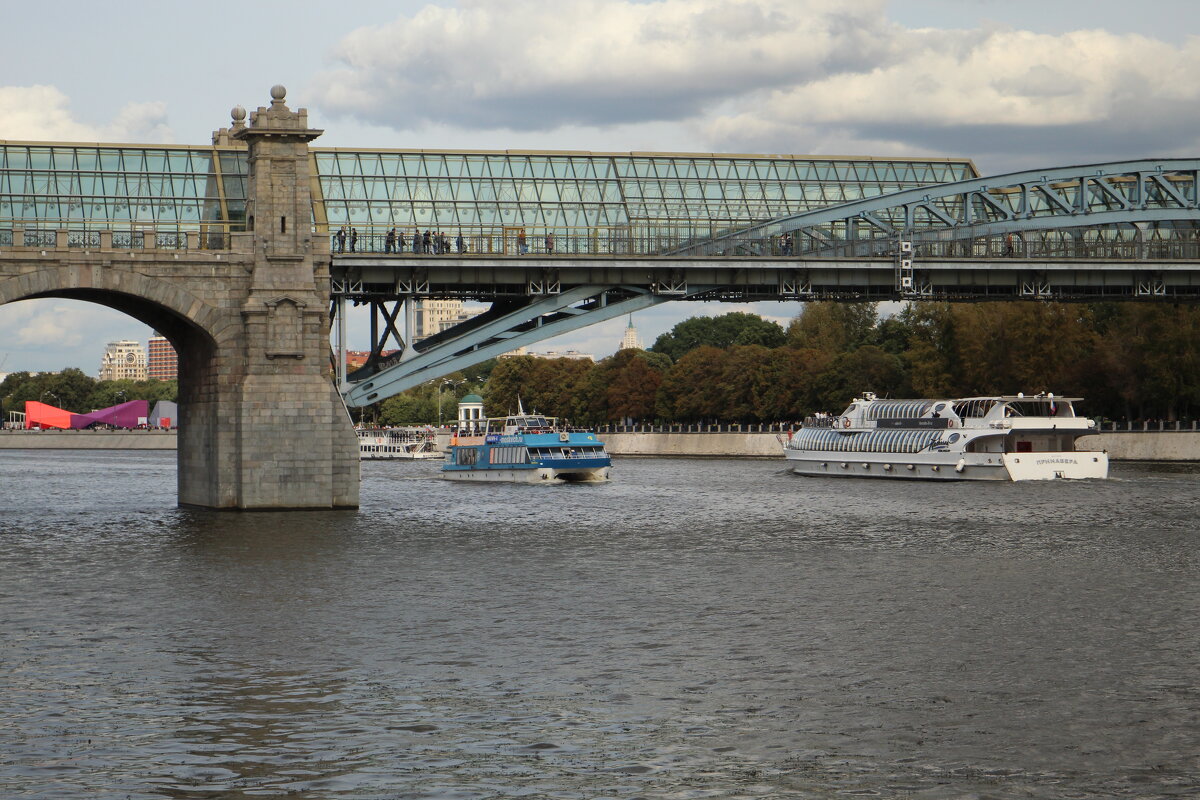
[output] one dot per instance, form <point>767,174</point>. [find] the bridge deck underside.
<point>755,279</point>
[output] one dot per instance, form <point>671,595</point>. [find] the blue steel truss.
<point>490,335</point>
<point>1125,199</point>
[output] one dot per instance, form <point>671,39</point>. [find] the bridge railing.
<point>1081,244</point>
<point>1183,245</point>
<point>678,427</point>
<point>207,237</point>
<point>606,242</point>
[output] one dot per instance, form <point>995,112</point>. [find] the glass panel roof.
<point>106,186</point>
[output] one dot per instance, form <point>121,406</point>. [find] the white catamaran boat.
<point>998,438</point>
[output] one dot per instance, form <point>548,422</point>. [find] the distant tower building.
<point>163,364</point>
<point>435,316</point>
<point>631,340</point>
<point>123,360</point>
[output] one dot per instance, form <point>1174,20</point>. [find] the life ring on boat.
<point>845,422</point>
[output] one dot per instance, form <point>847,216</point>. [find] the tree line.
<point>75,391</point>
<point>1128,360</point>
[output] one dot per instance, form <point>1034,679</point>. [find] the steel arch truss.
<point>505,327</point>
<point>1120,201</point>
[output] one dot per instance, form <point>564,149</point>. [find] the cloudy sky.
<point>1008,83</point>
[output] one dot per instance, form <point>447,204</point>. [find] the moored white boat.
<point>1004,437</point>
<point>381,444</point>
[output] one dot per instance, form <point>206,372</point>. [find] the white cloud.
<point>541,64</point>
<point>50,334</point>
<point>1000,95</point>
<point>43,113</point>
<point>790,76</point>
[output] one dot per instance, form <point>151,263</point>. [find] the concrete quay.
<point>1123,446</point>
<point>88,440</point>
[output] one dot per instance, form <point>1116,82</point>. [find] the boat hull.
<point>952,466</point>
<point>532,474</point>
<point>367,455</point>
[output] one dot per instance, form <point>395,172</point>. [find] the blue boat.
<point>527,448</point>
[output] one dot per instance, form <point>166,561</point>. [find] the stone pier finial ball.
<point>238,114</point>
<point>278,92</point>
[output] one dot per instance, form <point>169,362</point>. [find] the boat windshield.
<point>977,407</point>
<point>1039,407</point>
<point>527,423</point>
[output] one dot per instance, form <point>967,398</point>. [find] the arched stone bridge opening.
<point>262,426</point>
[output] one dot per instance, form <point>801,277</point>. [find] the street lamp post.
<point>452,385</point>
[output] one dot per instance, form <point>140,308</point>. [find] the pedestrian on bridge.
<point>340,238</point>
<point>389,241</point>
<point>353,238</point>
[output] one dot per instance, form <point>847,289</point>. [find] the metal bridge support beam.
<point>540,318</point>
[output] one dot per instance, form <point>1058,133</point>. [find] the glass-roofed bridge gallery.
<point>633,198</point>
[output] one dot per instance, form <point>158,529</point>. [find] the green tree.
<point>632,381</point>
<point>1149,356</point>
<point>740,387</point>
<point>867,369</point>
<point>722,331</point>
<point>416,406</point>
<point>932,354</point>
<point>786,383</point>
<point>832,326</point>
<point>1024,346</point>
<point>110,393</point>
<point>687,392</point>
<point>68,389</point>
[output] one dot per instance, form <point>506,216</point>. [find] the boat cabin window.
<point>977,408</point>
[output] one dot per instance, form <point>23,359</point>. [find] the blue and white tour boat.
<point>527,448</point>
<point>1001,438</point>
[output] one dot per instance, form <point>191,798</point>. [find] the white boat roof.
<point>999,397</point>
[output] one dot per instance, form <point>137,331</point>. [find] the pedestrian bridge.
<point>233,252</point>
<point>1117,231</point>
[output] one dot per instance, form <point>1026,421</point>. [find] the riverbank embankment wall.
<point>1124,446</point>
<point>87,440</point>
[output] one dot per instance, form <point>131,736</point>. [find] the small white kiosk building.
<point>470,414</point>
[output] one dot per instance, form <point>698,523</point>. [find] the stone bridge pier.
<point>261,424</point>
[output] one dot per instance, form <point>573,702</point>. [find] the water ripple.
<point>694,629</point>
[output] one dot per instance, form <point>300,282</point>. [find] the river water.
<point>694,629</point>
